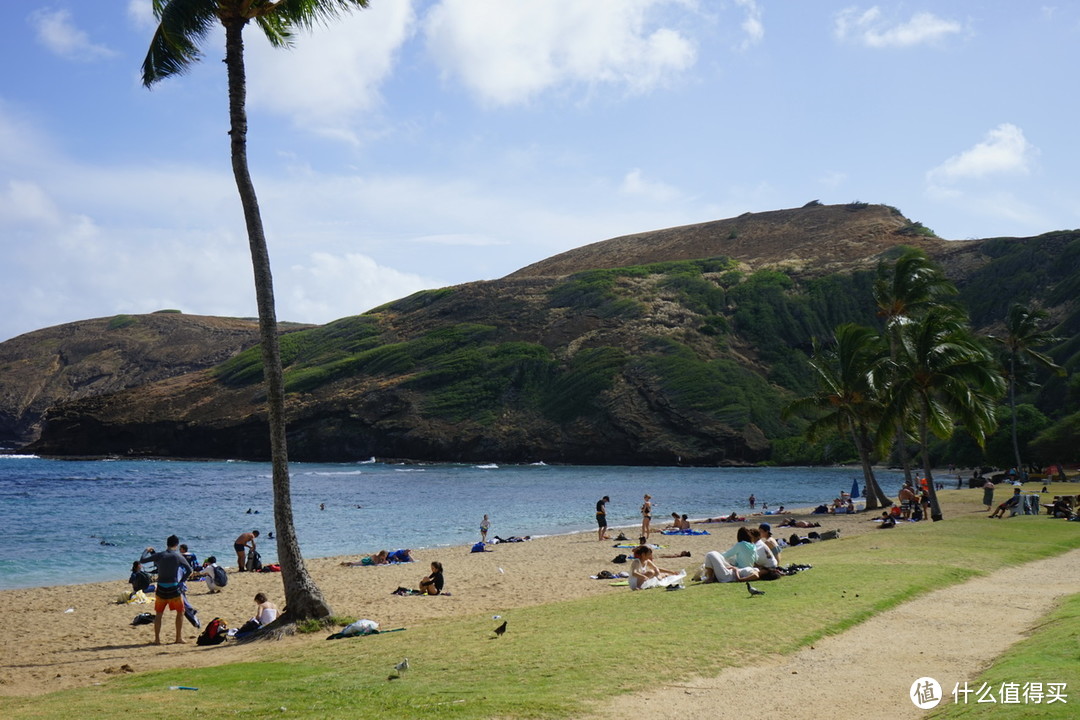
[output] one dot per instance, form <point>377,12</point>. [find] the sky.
<point>425,143</point>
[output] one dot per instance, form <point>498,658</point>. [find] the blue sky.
<point>425,143</point>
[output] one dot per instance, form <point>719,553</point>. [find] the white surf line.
<point>951,635</point>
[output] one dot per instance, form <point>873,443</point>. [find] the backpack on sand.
<point>221,578</point>
<point>214,634</point>
<point>254,561</point>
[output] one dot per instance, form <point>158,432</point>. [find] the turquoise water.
<point>67,521</point>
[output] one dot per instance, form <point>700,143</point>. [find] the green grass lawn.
<point>556,660</point>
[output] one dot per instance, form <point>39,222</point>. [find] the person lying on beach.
<point>432,584</point>
<point>792,522</point>
<point>733,517</point>
<point>511,539</point>
<point>644,573</point>
<point>734,564</point>
<point>379,558</point>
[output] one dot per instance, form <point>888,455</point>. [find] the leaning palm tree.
<point>945,376</point>
<point>848,397</point>
<point>904,290</point>
<point>1023,333</point>
<point>182,26</point>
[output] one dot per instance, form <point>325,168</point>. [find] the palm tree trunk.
<point>303,599</point>
<point>924,437</point>
<point>875,498</point>
<point>1012,409</point>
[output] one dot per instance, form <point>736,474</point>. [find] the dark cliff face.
<point>60,364</point>
<point>681,348</point>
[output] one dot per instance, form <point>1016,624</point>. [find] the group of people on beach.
<point>754,556</point>
<point>174,566</point>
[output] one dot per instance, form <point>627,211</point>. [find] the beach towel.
<point>684,532</point>
<point>669,581</point>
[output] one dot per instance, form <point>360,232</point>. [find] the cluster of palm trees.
<point>924,373</point>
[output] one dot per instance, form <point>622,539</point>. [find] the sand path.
<point>950,635</point>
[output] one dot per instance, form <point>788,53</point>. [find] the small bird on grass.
<point>401,667</point>
<point>501,629</point>
<point>753,590</point>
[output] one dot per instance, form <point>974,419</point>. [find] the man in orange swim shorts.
<point>170,571</point>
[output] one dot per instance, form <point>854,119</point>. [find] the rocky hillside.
<point>102,356</point>
<point>815,239</point>
<point>679,346</point>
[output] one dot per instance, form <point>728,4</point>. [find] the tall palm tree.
<point>182,26</point>
<point>1023,333</point>
<point>902,291</point>
<point>848,398</point>
<point>946,376</point>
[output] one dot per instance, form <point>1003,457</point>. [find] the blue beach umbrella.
<point>854,489</point>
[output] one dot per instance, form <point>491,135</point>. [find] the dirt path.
<point>950,635</point>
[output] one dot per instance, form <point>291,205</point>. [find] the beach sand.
<point>77,635</point>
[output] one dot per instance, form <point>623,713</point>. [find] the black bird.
<point>501,629</point>
<point>753,590</point>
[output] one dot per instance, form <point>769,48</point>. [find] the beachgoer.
<point>988,493</point>
<point>1009,504</point>
<point>207,572</point>
<point>735,564</point>
<point>646,516</point>
<point>684,522</point>
<point>765,556</point>
<point>908,500</point>
<point>792,522</point>
<point>769,540</point>
<point>241,544</point>
<point>887,521</point>
<point>601,518</point>
<point>266,612</point>
<point>379,558</point>
<point>190,557</point>
<point>139,578</point>
<point>484,525</point>
<point>644,573</point>
<point>399,556</point>
<point>753,501</point>
<point>676,524</point>
<point>171,567</point>
<point>924,503</point>
<point>432,584</point>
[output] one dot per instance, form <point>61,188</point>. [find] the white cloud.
<point>56,30</point>
<point>872,29</point>
<point>752,25</point>
<point>141,13</point>
<point>507,53</point>
<point>634,183</point>
<point>333,73</point>
<point>331,286</point>
<point>1003,151</point>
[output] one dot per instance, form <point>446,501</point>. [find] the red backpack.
<point>215,633</point>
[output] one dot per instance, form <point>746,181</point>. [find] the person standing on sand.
<point>601,518</point>
<point>646,517</point>
<point>240,545</point>
<point>170,563</point>
<point>484,526</point>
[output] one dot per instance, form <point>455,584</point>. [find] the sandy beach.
<point>77,635</point>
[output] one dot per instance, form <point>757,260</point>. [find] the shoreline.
<point>66,636</point>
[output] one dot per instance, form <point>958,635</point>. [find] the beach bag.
<point>143,619</point>
<point>254,561</point>
<point>221,578</point>
<point>214,634</point>
<point>478,547</point>
<point>620,558</point>
<point>272,567</point>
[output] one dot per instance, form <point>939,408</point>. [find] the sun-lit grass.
<point>556,660</point>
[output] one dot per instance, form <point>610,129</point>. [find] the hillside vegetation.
<point>628,351</point>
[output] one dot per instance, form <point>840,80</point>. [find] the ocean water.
<point>72,521</point>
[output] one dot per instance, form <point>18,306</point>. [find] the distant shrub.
<point>416,301</point>
<point>813,203</point>
<point>167,312</point>
<point>857,205</point>
<point>917,229</point>
<point>121,321</point>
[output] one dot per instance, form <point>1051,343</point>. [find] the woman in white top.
<point>266,612</point>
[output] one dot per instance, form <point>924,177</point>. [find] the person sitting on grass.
<point>736,564</point>
<point>644,573</point>
<point>1009,504</point>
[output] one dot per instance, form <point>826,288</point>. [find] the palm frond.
<point>175,45</point>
